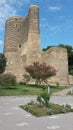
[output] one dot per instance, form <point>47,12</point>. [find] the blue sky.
<point>56,19</point>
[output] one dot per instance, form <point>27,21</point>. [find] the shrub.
<point>22,83</point>
<point>31,103</point>
<point>1,79</point>
<point>39,99</point>
<point>25,90</point>
<point>7,80</point>
<point>49,111</point>
<point>44,99</point>
<point>43,87</point>
<point>2,63</point>
<point>63,110</point>
<point>68,106</point>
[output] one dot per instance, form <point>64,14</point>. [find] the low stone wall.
<point>57,58</point>
<point>70,79</point>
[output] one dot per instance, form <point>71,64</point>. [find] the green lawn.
<point>70,94</point>
<point>39,110</point>
<point>26,90</point>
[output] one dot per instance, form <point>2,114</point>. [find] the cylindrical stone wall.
<point>33,35</point>
<point>14,34</point>
<point>33,15</point>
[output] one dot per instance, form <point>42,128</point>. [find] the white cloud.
<point>54,8</point>
<point>48,28</point>
<point>18,2</point>
<point>1,42</point>
<point>22,2</point>
<point>9,8</point>
<point>6,10</point>
<point>2,1</point>
<point>54,29</point>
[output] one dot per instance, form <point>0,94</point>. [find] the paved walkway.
<point>12,117</point>
<point>62,93</point>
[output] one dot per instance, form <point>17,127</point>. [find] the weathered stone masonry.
<point>22,47</point>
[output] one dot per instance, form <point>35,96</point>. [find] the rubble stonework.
<point>22,47</point>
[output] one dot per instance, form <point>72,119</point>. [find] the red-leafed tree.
<point>40,72</point>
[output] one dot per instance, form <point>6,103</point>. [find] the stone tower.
<point>22,41</point>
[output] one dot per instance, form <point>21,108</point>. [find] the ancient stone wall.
<point>57,57</point>
<point>33,52</point>
<point>14,34</point>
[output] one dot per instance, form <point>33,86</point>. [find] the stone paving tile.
<point>62,93</point>
<point>12,117</point>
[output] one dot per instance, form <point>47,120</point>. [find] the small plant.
<point>44,99</point>
<point>22,83</point>
<point>68,106</point>
<point>31,103</point>
<point>63,110</point>
<point>25,90</point>
<point>3,61</point>
<point>43,87</point>
<point>49,111</point>
<point>39,99</point>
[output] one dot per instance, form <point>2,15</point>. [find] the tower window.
<point>19,45</point>
<point>16,25</point>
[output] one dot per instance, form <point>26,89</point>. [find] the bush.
<point>7,80</point>
<point>49,111</point>
<point>2,63</point>
<point>22,83</point>
<point>43,87</point>
<point>68,106</point>
<point>63,110</point>
<point>44,99</point>
<point>39,99</point>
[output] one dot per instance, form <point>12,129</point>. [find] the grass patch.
<point>20,90</point>
<point>55,89</point>
<point>69,93</point>
<point>38,110</point>
<point>26,90</point>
